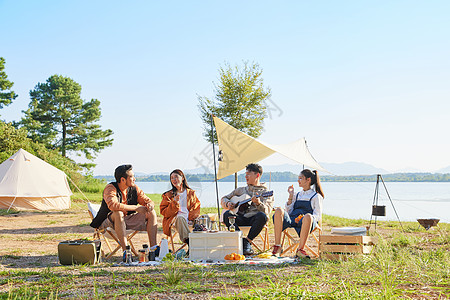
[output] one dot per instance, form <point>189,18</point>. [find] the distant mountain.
<point>353,168</point>
<point>199,170</point>
<point>409,170</point>
<point>341,169</point>
<point>444,170</point>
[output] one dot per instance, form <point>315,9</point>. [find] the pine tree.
<point>6,95</point>
<point>59,118</point>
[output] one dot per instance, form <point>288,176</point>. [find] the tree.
<point>6,95</point>
<point>240,100</point>
<point>60,119</point>
<point>12,139</point>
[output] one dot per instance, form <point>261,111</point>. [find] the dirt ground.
<point>29,242</point>
<point>34,237</point>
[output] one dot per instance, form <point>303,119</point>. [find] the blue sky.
<point>360,80</point>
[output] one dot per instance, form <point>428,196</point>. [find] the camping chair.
<point>290,234</point>
<point>109,233</point>
<point>171,237</point>
<point>263,235</point>
<point>173,233</point>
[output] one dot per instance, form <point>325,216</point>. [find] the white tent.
<point>27,182</point>
<point>239,149</point>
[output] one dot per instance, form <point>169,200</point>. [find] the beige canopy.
<point>239,149</point>
<point>27,182</point>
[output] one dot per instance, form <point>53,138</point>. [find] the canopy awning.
<point>238,149</point>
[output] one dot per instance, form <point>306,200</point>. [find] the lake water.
<point>412,200</point>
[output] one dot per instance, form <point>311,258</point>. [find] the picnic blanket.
<point>248,261</point>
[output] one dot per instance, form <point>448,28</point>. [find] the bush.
<point>12,139</point>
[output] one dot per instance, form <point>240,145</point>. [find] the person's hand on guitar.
<point>256,201</point>
<point>230,205</point>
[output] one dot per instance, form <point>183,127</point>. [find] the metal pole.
<point>215,171</point>
<point>375,202</point>
<point>392,203</point>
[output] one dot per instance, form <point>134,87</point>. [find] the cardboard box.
<point>214,245</point>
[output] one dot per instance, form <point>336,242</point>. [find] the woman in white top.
<point>179,206</point>
<point>303,211</point>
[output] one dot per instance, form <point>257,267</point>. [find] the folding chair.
<point>173,233</point>
<point>263,235</point>
<point>109,233</point>
<point>290,234</point>
<point>171,237</point>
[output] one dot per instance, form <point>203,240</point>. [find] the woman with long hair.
<point>179,206</point>
<point>303,211</point>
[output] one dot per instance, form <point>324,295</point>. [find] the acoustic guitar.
<point>241,203</point>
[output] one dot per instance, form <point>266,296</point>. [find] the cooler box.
<point>349,230</point>
<point>79,252</point>
<point>214,245</point>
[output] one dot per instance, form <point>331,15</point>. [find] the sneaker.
<point>247,247</point>
<point>276,249</point>
<point>301,253</point>
<point>157,251</point>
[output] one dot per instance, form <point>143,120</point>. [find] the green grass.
<point>334,221</point>
<point>394,271</point>
<point>414,263</point>
<point>5,212</point>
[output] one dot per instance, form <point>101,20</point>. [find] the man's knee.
<point>226,215</point>
<point>150,218</point>
<point>117,216</point>
<point>262,217</point>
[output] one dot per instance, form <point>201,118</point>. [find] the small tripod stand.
<point>378,210</point>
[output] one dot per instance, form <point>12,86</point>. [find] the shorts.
<point>134,221</point>
<point>288,222</point>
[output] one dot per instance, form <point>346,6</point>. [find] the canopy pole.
<point>215,171</point>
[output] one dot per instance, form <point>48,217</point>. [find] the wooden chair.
<point>107,234</point>
<point>293,240</point>
<point>263,235</point>
<point>173,233</point>
<point>171,239</point>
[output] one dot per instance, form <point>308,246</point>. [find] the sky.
<point>364,81</point>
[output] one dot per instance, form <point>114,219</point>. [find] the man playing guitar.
<point>256,213</point>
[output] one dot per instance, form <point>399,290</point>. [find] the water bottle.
<point>164,248</point>
<point>128,258</point>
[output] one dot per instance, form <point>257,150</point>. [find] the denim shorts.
<point>288,222</point>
